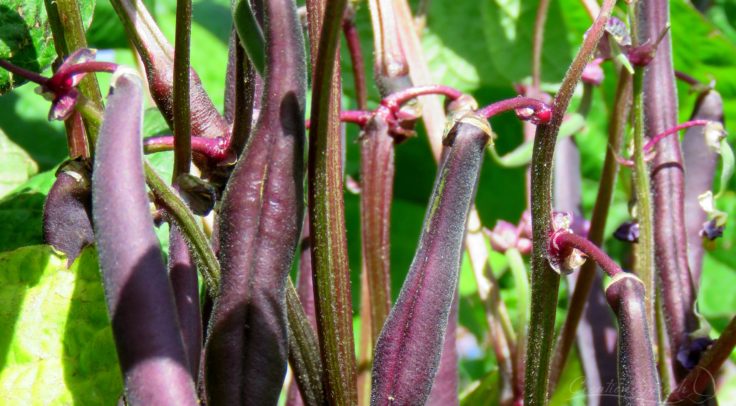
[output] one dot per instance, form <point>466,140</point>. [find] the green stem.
<point>545,281</point>
<point>69,35</point>
<point>303,350</point>
<point>645,248</point>
<point>182,118</point>
<point>176,208</point>
<point>327,211</point>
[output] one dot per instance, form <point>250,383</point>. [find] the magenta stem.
<point>359,117</point>
<point>395,100</point>
<point>214,148</point>
<point>68,71</point>
<point>513,104</point>
<point>24,73</point>
<point>687,78</point>
<point>674,130</point>
<point>565,240</point>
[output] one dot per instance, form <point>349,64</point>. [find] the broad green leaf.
<point>56,344</point>
<point>16,166</point>
<point>25,37</point>
<point>23,118</point>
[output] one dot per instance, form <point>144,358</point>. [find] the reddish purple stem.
<point>395,100</point>
<point>24,73</point>
<point>214,148</point>
<point>359,117</point>
<point>563,241</point>
<point>674,130</point>
<point>66,72</point>
<point>541,109</point>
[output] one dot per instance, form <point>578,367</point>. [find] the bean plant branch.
<point>545,281</point>
<point>182,111</point>
<point>326,210</point>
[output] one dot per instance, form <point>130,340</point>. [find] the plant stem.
<point>538,44</point>
<point>586,276</point>
<point>187,223</point>
<point>512,104</point>
<point>695,382</point>
<point>303,350</point>
<point>69,35</point>
<point>566,241</point>
<point>645,248</point>
<point>356,57</point>
<point>545,281</point>
<point>179,211</point>
<point>182,118</point>
<point>326,208</point>
<point>674,130</point>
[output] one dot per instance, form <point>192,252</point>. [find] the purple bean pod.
<point>700,165</point>
<point>668,182</point>
<point>183,277</point>
<point>260,218</point>
<point>67,213</point>
<point>137,290</point>
<point>409,347</point>
<point>638,379</point>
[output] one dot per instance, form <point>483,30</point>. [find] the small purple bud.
<point>627,232</point>
<point>711,230</point>
<point>689,356</point>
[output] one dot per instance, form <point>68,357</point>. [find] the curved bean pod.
<point>409,347</point>
<point>137,290</point>
<point>261,214</point>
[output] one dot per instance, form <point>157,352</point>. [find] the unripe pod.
<point>261,214</point>
<point>409,347</point>
<point>638,380</point>
<point>67,223</point>
<point>137,290</point>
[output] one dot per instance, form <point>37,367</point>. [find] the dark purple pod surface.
<point>67,213</point>
<point>700,165</point>
<point>137,290</point>
<point>638,380</point>
<point>183,277</point>
<point>260,218</point>
<point>377,183</point>
<point>445,389</point>
<point>409,347</point>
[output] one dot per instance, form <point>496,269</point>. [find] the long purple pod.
<point>259,226</point>
<point>668,183</point>
<point>409,347</point>
<point>137,290</point>
<point>67,212</point>
<point>700,165</point>
<point>445,389</point>
<point>158,58</point>
<point>377,182</point>
<point>183,277</point>
<point>638,380</point>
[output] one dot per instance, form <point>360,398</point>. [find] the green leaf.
<point>16,165</point>
<point>56,346</point>
<point>486,391</point>
<point>25,37</point>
